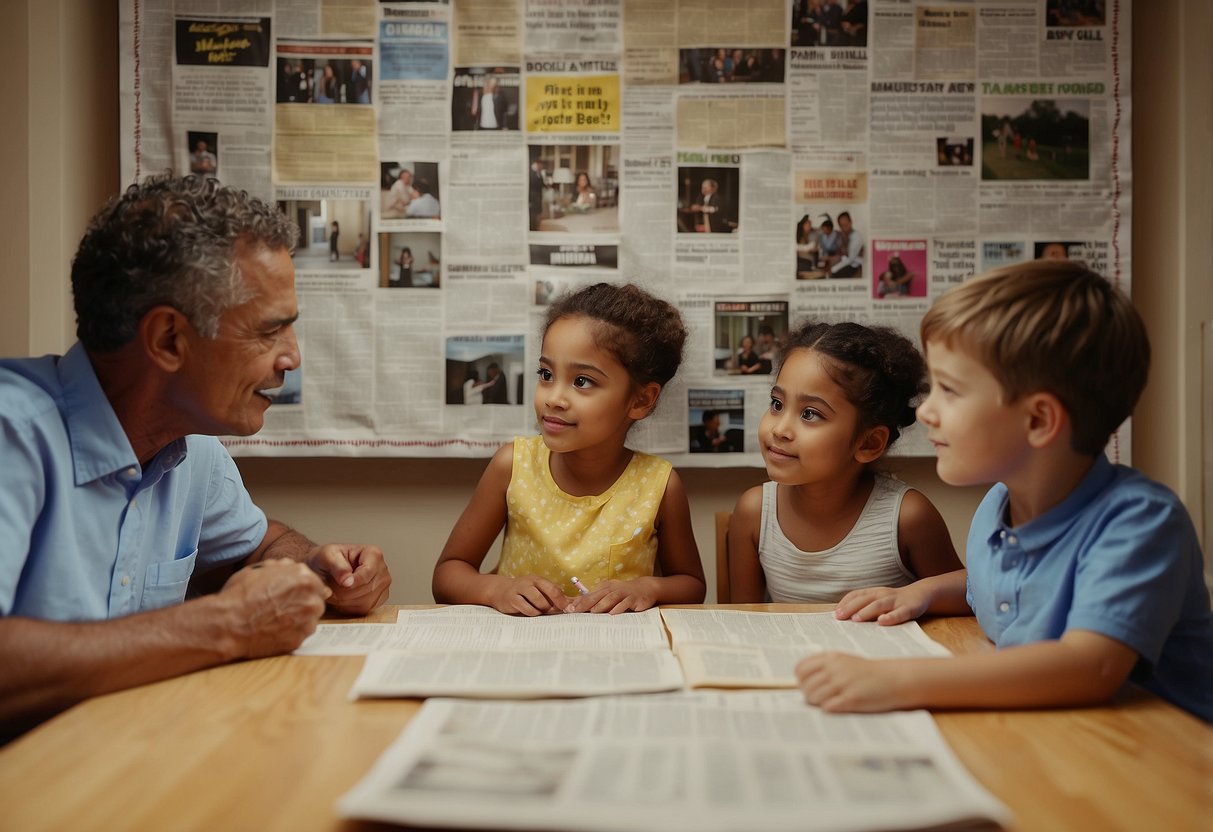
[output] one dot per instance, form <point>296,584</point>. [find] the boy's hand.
<point>615,597</point>
<point>838,682</point>
<point>884,604</point>
<point>529,595</point>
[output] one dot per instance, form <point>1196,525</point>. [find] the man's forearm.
<point>281,541</point>
<point>50,666</point>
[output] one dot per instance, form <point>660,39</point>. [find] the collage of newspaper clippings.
<point>455,166</point>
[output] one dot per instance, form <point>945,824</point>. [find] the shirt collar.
<point>165,460</point>
<point>1043,530</point>
<point>99,444</point>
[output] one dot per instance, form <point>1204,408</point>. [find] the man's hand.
<point>274,606</point>
<point>357,575</point>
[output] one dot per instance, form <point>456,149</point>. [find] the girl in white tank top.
<point>827,523</point>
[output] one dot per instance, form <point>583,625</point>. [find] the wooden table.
<point>271,744</point>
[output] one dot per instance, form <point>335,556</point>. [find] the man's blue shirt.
<point>1119,556</point>
<point>86,533</point>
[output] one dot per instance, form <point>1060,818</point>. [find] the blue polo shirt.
<point>86,533</point>
<point>1119,556</point>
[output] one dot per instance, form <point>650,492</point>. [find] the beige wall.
<point>61,150</point>
<point>60,147</point>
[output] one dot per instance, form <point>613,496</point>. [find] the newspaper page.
<point>516,674</point>
<point>467,627</point>
<point>735,649</point>
<point>455,167</point>
<point>486,627</point>
<point>697,762</point>
<point>479,652</point>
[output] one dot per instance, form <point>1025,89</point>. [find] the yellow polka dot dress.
<point>597,537</point>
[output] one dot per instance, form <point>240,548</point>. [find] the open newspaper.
<point>699,761</point>
<point>477,652</point>
<point>735,649</point>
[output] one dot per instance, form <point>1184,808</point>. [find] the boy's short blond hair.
<point>1054,326</point>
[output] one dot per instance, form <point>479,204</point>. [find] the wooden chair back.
<point>723,594</point>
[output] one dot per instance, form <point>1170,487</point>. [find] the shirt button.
<point>130,472</point>
<point>1015,561</point>
<point>125,580</point>
<point>1004,607</point>
<point>1013,540</point>
<point>134,503</point>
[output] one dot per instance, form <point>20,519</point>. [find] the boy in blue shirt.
<point>1085,574</point>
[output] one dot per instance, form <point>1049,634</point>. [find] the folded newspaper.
<point>698,761</point>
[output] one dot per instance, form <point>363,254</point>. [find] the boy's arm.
<point>457,576</point>
<point>939,594</point>
<point>923,538</point>
<point>681,581</point>
<point>1081,668</point>
<point>747,582</point>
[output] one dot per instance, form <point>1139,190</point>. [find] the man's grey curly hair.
<point>168,240</point>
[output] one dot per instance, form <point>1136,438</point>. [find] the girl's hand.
<point>883,604</point>
<point>616,597</point>
<point>528,595</point>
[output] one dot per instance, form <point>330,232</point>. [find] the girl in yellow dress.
<point>575,502</point>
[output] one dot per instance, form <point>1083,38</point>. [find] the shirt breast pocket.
<point>164,583</point>
<point>632,559</point>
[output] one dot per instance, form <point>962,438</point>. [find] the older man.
<point>117,498</point>
<point>850,264</point>
<point>711,209</point>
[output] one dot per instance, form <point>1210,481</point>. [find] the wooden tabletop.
<point>271,744</point>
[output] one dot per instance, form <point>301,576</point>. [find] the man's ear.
<point>164,335</point>
<point>644,400</point>
<point>871,445</point>
<point>1047,419</point>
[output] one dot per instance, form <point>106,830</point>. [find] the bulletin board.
<point>454,167</point>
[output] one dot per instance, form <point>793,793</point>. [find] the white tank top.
<point>867,556</point>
